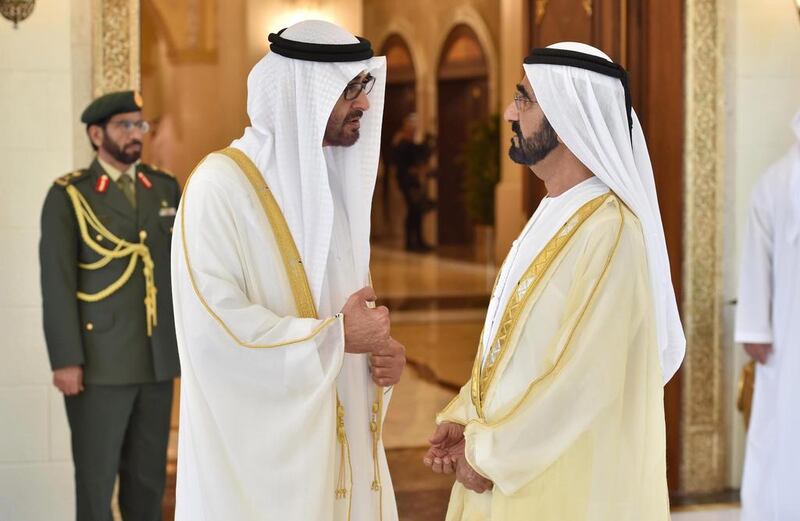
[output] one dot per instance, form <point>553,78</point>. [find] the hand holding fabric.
<point>366,330</point>
<point>387,364</point>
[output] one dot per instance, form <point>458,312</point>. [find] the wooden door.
<point>463,91</point>
<point>646,37</point>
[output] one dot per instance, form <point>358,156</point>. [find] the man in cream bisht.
<point>767,325</point>
<point>563,419</point>
<point>270,267</point>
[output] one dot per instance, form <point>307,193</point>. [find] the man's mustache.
<point>515,128</point>
<point>134,142</point>
<point>356,114</point>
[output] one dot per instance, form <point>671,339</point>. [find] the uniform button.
<point>99,237</point>
<point>170,229</point>
<point>89,326</point>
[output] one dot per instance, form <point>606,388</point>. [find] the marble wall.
<point>45,82</point>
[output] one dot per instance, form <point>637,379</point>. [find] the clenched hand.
<point>69,380</point>
<point>366,330</point>
<point>471,480</point>
<point>758,352</point>
<point>387,364</point>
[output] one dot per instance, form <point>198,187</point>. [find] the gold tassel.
<point>374,427</point>
<point>341,435</point>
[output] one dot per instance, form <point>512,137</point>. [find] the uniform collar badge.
<point>102,184</point>
<point>144,180</point>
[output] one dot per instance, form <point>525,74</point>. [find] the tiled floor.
<point>400,274</point>
<point>719,513</point>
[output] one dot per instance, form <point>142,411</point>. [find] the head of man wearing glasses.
<point>344,122</point>
<point>115,126</point>
<point>534,138</point>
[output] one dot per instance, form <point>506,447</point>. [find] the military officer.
<point>108,320</point>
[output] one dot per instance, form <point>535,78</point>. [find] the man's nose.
<point>361,102</point>
<point>510,114</point>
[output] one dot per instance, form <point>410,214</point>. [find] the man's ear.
<point>96,135</point>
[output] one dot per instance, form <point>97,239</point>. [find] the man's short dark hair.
<point>102,124</point>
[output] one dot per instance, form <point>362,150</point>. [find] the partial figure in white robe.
<point>768,324</point>
<point>287,367</point>
<point>563,418</point>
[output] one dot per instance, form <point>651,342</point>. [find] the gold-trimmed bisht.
<point>87,219</point>
<point>483,373</point>
<point>306,308</point>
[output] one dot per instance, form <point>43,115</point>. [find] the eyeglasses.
<point>128,126</point>
<point>353,90</point>
<point>523,103</point>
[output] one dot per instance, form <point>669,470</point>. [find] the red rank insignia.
<point>144,180</point>
<point>102,184</point>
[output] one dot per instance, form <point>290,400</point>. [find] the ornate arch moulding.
<point>703,466</point>
<point>470,17</point>
<point>115,45</point>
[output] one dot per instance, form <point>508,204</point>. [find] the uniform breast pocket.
<point>94,323</point>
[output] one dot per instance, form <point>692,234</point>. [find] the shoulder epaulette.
<point>70,178</point>
<point>154,169</point>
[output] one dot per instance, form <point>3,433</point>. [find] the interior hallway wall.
<point>424,26</point>
<point>198,98</point>
<point>272,16</point>
<point>762,95</point>
<point>45,83</point>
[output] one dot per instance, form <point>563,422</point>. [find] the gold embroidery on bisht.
<point>483,373</point>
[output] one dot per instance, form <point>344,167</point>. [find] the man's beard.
<point>529,151</point>
<point>337,134</point>
<point>122,154</point>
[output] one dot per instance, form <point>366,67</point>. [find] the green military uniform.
<point>105,273</point>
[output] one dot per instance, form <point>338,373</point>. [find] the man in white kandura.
<point>563,419</point>
<point>286,366</point>
<point>768,326</point>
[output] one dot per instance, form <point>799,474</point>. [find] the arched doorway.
<point>463,89</point>
<point>401,100</point>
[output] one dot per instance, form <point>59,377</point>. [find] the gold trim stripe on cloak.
<point>304,303</point>
<point>86,218</point>
<point>291,258</point>
<point>483,374</point>
<point>557,365</point>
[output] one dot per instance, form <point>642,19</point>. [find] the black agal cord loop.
<point>321,52</point>
<point>581,60</point>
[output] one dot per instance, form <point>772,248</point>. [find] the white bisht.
<point>276,421</point>
<point>768,311</point>
<point>564,412</point>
